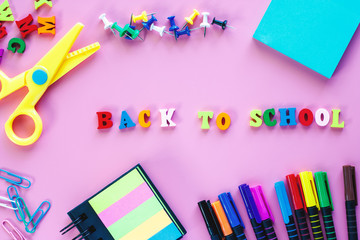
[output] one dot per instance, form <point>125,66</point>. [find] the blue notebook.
<point>315,33</point>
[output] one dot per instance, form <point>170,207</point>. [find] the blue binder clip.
<point>18,181</point>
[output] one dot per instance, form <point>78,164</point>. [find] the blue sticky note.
<point>315,33</point>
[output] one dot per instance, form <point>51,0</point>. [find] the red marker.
<point>297,197</point>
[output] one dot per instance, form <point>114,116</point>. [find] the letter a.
<point>5,12</point>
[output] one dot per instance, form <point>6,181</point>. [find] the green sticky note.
<point>313,32</point>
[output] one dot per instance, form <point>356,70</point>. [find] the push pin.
<point>173,27</point>
<point>127,36</point>
<point>205,23</point>
<point>122,31</point>
<point>107,23</point>
<point>133,33</point>
<point>160,30</point>
<point>143,16</point>
<point>183,32</point>
<point>190,20</point>
<point>223,24</point>
<point>148,24</point>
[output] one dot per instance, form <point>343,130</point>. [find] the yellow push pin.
<point>190,20</point>
<point>143,16</point>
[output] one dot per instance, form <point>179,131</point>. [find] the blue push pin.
<point>183,32</point>
<point>173,27</point>
<point>147,24</point>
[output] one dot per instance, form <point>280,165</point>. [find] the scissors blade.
<point>10,85</point>
<point>53,60</point>
<point>75,58</point>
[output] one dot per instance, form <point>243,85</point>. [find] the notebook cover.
<point>130,213</point>
<point>313,32</point>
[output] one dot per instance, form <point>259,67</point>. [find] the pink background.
<point>225,72</point>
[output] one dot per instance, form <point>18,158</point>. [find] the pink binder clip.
<point>13,232</point>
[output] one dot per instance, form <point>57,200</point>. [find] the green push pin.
<point>133,33</point>
<point>122,31</point>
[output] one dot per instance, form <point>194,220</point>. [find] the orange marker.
<point>224,223</point>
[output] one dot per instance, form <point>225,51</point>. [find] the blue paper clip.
<point>38,220</point>
<point>23,211</point>
<point>14,197</point>
<point>17,182</point>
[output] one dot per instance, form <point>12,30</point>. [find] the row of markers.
<point>17,203</point>
<point>308,197</point>
<point>130,32</point>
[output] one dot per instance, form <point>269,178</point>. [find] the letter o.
<point>223,121</point>
<point>322,113</point>
<point>306,117</point>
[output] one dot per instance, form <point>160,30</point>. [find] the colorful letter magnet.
<point>314,33</point>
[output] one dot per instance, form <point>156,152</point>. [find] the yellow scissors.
<point>55,64</point>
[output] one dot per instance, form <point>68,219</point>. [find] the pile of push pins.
<point>130,32</point>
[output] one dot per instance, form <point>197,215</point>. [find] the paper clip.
<point>19,180</point>
<point>13,232</point>
<point>20,203</point>
<point>6,205</point>
<point>13,197</point>
<point>38,220</point>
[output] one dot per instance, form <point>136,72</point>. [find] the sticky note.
<point>313,32</point>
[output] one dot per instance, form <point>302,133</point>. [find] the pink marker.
<point>264,211</point>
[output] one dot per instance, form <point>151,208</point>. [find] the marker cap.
<point>308,184</point>
<point>350,183</point>
<point>283,201</point>
<point>261,203</point>
<point>323,189</point>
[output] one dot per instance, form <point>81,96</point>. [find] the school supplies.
<point>14,179</point>
<point>312,203</point>
<point>224,223</point>
<point>326,204</point>
<point>297,198</point>
<point>13,195</point>
<point>31,221</point>
<point>316,36</point>
<point>4,203</point>
<point>211,222</point>
<point>286,210</point>
<point>264,210</point>
<point>222,24</point>
<point>128,208</point>
<point>205,23</point>
<point>13,232</point>
<point>233,215</point>
<point>191,18</point>
<point>56,63</point>
<point>252,211</point>
<point>350,201</point>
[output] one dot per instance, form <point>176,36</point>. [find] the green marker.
<point>326,204</point>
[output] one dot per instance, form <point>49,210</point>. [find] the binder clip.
<point>73,224</point>
<point>13,232</point>
<point>16,179</point>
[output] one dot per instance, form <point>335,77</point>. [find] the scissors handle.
<point>24,109</point>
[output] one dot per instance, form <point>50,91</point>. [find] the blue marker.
<point>252,211</point>
<point>286,210</point>
<point>233,215</point>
